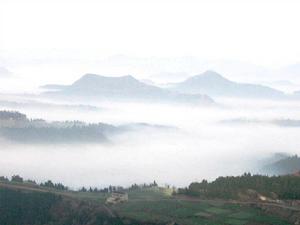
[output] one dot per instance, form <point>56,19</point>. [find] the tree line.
<point>230,187</point>
<point>60,186</point>
<point>279,187</point>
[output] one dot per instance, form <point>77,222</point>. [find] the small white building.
<point>117,197</point>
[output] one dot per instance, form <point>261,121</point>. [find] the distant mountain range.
<point>94,86</point>
<point>194,89</point>
<point>213,84</point>
<point>174,69</point>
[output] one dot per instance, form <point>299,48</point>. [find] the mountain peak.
<point>96,76</point>
<point>90,76</point>
<point>214,84</point>
<point>91,79</point>
<point>210,74</point>
<point>128,78</point>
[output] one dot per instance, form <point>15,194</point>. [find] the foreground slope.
<point>29,203</point>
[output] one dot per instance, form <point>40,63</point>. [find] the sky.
<point>263,32</point>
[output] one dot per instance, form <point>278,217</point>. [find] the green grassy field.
<point>157,205</point>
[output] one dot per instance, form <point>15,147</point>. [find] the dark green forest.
<point>230,187</point>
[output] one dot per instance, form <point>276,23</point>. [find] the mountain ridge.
<point>214,84</point>
<point>124,87</point>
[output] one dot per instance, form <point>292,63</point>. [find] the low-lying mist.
<point>198,147</point>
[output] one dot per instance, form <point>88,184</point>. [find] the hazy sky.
<point>263,32</point>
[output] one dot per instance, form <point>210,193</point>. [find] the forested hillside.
<point>287,165</point>
<point>247,186</point>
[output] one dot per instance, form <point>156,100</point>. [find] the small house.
<point>117,197</point>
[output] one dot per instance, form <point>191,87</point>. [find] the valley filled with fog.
<point>176,120</point>
<point>172,143</point>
